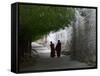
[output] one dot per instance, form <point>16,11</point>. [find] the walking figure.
<point>58,48</point>
<point>52,49</point>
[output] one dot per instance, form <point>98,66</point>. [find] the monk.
<point>52,54</point>
<point>58,48</point>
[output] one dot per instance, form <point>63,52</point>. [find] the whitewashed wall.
<point>84,35</point>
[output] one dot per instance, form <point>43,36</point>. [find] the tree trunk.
<point>24,49</point>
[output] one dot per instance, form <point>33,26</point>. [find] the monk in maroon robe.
<point>58,48</point>
<point>52,54</point>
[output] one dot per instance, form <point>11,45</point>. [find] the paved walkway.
<point>45,62</point>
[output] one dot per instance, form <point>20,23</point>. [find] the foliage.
<point>38,20</point>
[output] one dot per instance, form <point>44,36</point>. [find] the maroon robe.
<point>58,49</point>
<point>52,50</point>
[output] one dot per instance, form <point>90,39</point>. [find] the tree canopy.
<point>38,20</point>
